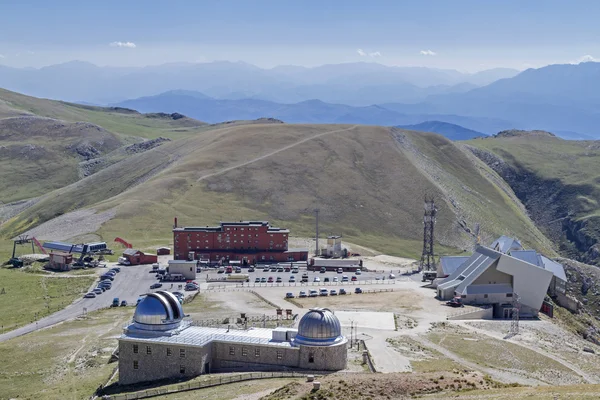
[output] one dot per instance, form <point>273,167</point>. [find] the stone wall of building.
<point>248,356</point>
<point>324,358</point>
<point>160,363</point>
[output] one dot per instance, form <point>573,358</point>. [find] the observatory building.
<point>160,344</point>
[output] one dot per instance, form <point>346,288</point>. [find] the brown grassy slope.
<point>368,185</point>
<point>118,120</point>
<point>38,154</point>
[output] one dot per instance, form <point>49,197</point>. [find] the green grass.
<point>67,361</point>
<point>35,295</point>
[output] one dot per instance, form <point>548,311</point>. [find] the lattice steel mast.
<point>428,266</point>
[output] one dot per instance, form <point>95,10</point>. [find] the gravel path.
<point>72,224</point>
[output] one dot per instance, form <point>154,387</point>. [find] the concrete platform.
<point>367,319</point>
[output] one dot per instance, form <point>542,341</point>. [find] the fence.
<point>213,381</point>
<point>319,284</point>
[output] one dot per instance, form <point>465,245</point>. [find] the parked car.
<point>238,270</point>
<point>101,288</point>
<point>326,279</point>
<point>340,270</point>
<point>335,279</point>
<point>342,291</point>
<point>313,293</point>
<point>251,269</point>
<point>354,279</point>
<point>155,285</point>
<point>90,295</point>
<point>292,279</point>
<point>280,269</point>
<point>333,292</point>
<point>278,280</point>
<point>323,270</point>
<point>316,279</point>
<point>392,276</point>
<point>109,277</point>
<point>289,295</point>
<point>263,280</point>
<point>345,278</point>
<point>97,291</point>
<point>116,269</point>
<point>302,294</point>
<point>358,272</point>
<point>266,269</point>
<point>124,303</point>
<point>270,280</point>
<point>257,280</point>
<point>323,292</point>
<point>287,269</point>
<point>191,286</point>
<point>115,302</point>
<point>358,290</point>
<point>273,269</point>
<point>455,302</point>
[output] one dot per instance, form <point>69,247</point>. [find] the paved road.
<point>128,285</point>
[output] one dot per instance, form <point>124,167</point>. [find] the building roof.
<point>450,264</point>
<point>200,336</point>
<point>471,269</point>
<point>533,257</point>
<point>130,252</point>
<point>319,262</point>
<point>158,311</point>
<point>556,268</point>
<point>66,247</point>
<point>319,327</point>
<point>297,250</point>
<point>270,229</point>
<point>505,244</point>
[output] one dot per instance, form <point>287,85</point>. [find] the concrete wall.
<point>492,276</point>
<point>479,313</point>
<point>188,269</point>
<point>328,358</point>
<point>158,365</point>
<point>529,282</point>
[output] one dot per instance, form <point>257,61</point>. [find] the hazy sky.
<point>462,34</point>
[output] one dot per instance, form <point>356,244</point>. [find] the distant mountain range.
<point>451,131</point>
<point>357,84</point>
<point>199,106</point>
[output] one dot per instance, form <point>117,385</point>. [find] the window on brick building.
<point>182,369</point>
<point>231,351</point>
<point>169,352</point>
<point>244,351</point>
<point>182,353</point>
<point>135,348</point>
<point>135,364</point>
<point>148,350</point>
<point>256,352</point>
<point>279,354</point>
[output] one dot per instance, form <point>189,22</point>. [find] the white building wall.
<point>529,281</point>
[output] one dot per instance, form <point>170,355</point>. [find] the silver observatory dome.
<point>319,327</point>
<point>158,311</point>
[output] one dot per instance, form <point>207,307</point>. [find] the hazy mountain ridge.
<point>351,83</point>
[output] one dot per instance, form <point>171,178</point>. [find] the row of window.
<point>256,352</point>
<point>136,365</point>
<point>136,350</point>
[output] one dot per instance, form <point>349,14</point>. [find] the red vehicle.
<point>455,302</point>
<point>354,279</point>
<point>228,270</point>
<point>270,279</point>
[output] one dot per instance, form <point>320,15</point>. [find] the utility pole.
<point>317,231</point>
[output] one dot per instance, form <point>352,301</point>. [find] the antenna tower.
<point>516,307</point>
<point>427,265</point>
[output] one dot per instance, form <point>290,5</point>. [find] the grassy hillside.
<point>557,180</point>
<point>118,120</point>
<point>369,183</point>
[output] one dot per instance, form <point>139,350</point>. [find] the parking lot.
<point>128,285</point>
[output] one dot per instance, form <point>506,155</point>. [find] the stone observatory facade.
<point>160,344</point>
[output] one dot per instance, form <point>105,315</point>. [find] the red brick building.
<point>248,242</point>
<point>136,257</point>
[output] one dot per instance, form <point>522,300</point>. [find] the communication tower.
<point>427,266</point>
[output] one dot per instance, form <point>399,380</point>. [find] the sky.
<point>468,35</point>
